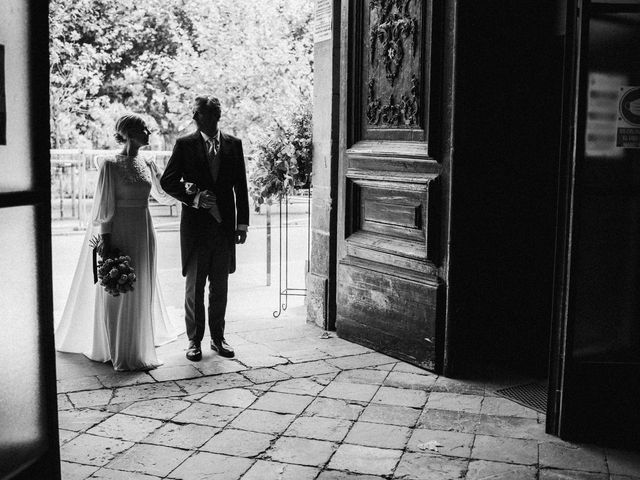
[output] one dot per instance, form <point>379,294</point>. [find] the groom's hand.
<point>207,199</point>
<point>241,236</point>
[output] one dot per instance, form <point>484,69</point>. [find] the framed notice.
<point>628,125</point>
<point>322,24</point>
<point>3,101</point>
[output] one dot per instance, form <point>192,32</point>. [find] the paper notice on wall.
<point>628,124</point>
<point>322,24</point>
<point>602,108</point>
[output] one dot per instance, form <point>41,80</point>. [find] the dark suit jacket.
<point>189,163</point>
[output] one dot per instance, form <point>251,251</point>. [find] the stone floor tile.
<point>110,474</point>
<point>76,384</point>
<point>361,361</point>
<point>553,474</point>
<point>503,407</point>
<point>334,408</point>
<point>150,459</point>
<point>187,436</point>
<point>205,414</point>
<point>301,451</point>
<point>262,361</point>
<point>443,384</point>
<point>350,391</point>
<point>400,396</point>
<point>146,392</point>
<point>338,475</point>
<point>307,369</point>
<point>263,470</point>
<point>220,365</point>
<point>623,477</point>
<point>623,462</point>
<point>449,420</point>
<point>160,408</point>
<point>177,372</point>
<point>572,457</point>
<point>453,444</point>
<point>387,367</point>
<point>233,397</point>
<point>126,427</point>
<point>513,427</point>
<point>65,436</point>
<point>125,379</point>
<point>90,398</point>
<point>307,355</point>
<point>216,382</point>
<point>76,471</point>
<point>483,470</point>
<point>408,368</point>
<point>423,466</point>
<point>344,350</point>
<point>319,428</point>
<point>239,443</point>
<point>378,435</point>
<point>300,386</point>
<point>410,380</point>
<point>263,375</point>
<point>391,415</point>
<point>80,420</point>
<point>63,402</point>
<point>455,402</point>
<point>282,402</point>
<point>92,450</point>
<point>509,450</point>
<point>362,375</point>
<point>368,460</point>
<point>262,421</point>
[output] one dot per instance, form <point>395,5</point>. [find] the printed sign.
<point>322,24</point>
<point>628,125</point>
<point>602,112</point>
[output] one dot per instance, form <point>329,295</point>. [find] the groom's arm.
<point>172,181</point>
<point>241,191</point>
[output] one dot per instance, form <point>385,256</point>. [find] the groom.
<point>206,173</point>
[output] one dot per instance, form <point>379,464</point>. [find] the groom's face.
<point>207,120</point>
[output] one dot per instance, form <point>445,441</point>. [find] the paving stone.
<point>422,466</point>
<point>79,420</point>
<point>300,386</point>
<point>505,408</point>
<point>150,459</point>
<point>454,401</point>
<point>553,474</point>
<point>378,435</point>
<point>90,398</point>
<point>453,444</point>
<point>400,396</point>
<point>146,392</point>
<point>361,361</point>
<point>66,435</point>
<point>623,477</point>
<point>338,475</point>
<point>77,384</point>
<point>92,450</point>
<point>263,470</point>
<point>110,474</point>
<point>361,459</point>
<point>263,375</point>
<point>124,379</point>
<point>233,397</point>
<point>75,471</point>
<point>513,427</point>
<point>319,428</point>
<point>261,361</point>
<point>177,372</point>
<point>187,436</point>
<point>408,368</point>
<point>443,384</point>
<point>307,355</point>
<point>221,365</point>
<point>362,375</point>
<point>350,391</point>
<point>63,402</point>
<point>205,414</point>
<point>572,457</point>
<point>239,443</point>
<point>623,462</point>
<point>282,402</point>
<point>482,470</point>
<point>391,415</point>
<point>160,408</point>
<point>449,420</point>
<point>301,451</point>
<point>510,450</point>
<point>262,421</point>
<point>410,380</point>
<point>307,369</point>
<point>126,427</point>
<point>334,408</point>
<point>344,350</point>
<point>216,382</point>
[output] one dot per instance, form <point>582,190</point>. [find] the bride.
<point>122,329</point>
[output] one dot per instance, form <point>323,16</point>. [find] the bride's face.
<point>140,134</point>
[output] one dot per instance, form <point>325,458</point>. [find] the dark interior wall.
<point>504,169</point>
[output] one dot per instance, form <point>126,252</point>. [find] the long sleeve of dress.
<point>157,191</point>
<point>104,199</point>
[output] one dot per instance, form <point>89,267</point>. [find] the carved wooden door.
<point>388,294</point>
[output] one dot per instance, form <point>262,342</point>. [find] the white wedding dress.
<point>123,329</point>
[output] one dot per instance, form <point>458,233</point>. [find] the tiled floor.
<point>295,406</point>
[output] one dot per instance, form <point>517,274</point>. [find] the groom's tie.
<point>214,166</point>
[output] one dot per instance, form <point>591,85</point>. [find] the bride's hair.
<point>125,124</point>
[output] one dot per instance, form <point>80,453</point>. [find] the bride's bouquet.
<point>114,272</point>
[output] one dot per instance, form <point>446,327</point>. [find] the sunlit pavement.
<point>295,403</point>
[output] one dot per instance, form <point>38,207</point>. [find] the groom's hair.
<point>205,103</point>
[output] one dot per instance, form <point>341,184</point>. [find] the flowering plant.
<point>114,272</point>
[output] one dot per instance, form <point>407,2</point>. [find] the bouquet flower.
<point>114,272</point>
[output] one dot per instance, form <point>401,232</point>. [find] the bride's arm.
<point>104,204</point>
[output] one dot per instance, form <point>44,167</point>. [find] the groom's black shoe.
<point>194,353</point>
<point>222,347</point>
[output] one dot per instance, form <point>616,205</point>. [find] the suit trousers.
<point>209,260</point>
